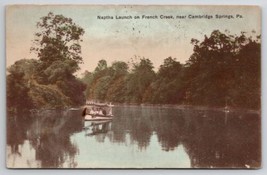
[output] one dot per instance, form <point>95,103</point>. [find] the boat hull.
<point>96,118</point>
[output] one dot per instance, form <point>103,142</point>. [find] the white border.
<point>3,170</point>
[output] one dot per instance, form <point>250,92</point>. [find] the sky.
<point>123,39</point>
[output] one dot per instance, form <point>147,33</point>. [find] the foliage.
<point>102,65</point>
<point>17,88</point>
<point>139,79</point>
<point>47,96</point>
<point>224,70</point>
<point>168,86</point>
<point>58,49</point>
<point>49,81</point>
<point>58,40</point>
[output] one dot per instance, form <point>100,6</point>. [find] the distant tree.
<point>246,91</point>
<point>102,65</point>
<point>87,78</point>
<point>168,87</point>
<point>107,83</point>
<point>119,68</point>
<point>139,80</point>
<point>208,66</point>
<point>218,66</point>
<point>170,68</point>
<point>224,69</point>
<point>117,88</point>
<point>100,88</point>
<point>117,91</point>
<point>97,85</point>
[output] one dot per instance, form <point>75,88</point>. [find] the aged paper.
<point>132,86</point>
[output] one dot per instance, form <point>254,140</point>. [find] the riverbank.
<point>177,106</point>
<point>192,107</point>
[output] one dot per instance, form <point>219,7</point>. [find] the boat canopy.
<point>99,104</point>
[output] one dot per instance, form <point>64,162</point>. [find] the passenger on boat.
<point>96,111</point>
<point>104,112</point>
<point>84,112</point>
<point>93,113</point>
<point>100,112</point>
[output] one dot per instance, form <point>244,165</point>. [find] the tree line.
<point>224,69</point>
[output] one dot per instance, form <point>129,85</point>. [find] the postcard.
<point>133,86</point>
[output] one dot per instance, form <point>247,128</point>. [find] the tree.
<point>168,88</point>
<point>224,69</point>
<point>18,85</point>
<point>102,65</point>
<point>170,68</point>
<point>87,78</point>
<point>98,83</point>
<point>218,67</point>
<point>246,90</point>
<point>139,80</point>
<point>119,68</point>
<point>57,44</point>
<point>117,86</point>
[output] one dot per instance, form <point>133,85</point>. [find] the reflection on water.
<point>138,137</point>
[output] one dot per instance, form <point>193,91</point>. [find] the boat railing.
<point>99,104</point>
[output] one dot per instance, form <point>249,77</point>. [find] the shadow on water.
<point>48,133</point>
<point>218,139</point>
<point>212,139</point>
<point>209,138</point>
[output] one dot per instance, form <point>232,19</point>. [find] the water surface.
<point>138,137</point>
